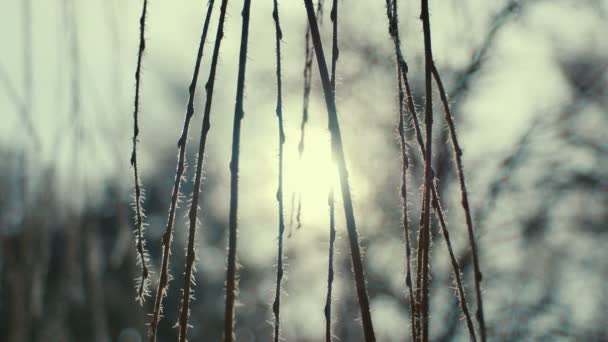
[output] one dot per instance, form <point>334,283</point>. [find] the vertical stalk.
<point>424,247</point>
<point>435,196</point>
<point>464,201</point>
<point>436,203</point>
<point>231,269</point>
<point>338,154</point>
<point>193,213</point>
<point>393,19</point>
<point>142,290</point>
<point>181,144</point>
<point>276,306</point>
<point>330,198</point>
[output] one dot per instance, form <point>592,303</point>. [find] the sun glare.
<point>309,178</point>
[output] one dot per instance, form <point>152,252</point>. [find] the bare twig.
<point>231,269</point>
<point>393,18</point>
<point>181,144</point>
<point>309,55</point>
<point>142,285</point>
<point>457,272</point>
<point>424,236</point>
<point>276,306</point>
<point>330,198</point>
<point>464,200</point>
<point>193,213</point>
<point>436,203</point>
<point>330,267</point>
<point>338,154</point>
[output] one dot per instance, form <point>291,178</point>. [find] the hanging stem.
<point>181,144</point>
<point>425,233</point>
<point>193,213</point>
<point>392,14</point>
<point>330,198</point>
<point>142,291</point>
<point>276,306</point>
<point>338,154</point>
<point>231,269</point>
<point>436,203</point>
<point>464,200</point>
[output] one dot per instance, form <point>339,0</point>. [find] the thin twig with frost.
<point>330,199</point>
<point>338,155</point>
<point>181,165</point>
<point>464,201</point>
<point>276,306</point>
<point>142,285</point>
<point>192,214</point>
<point>231,269</point>
<point>393,19</point>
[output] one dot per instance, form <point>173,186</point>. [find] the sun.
<point>309,178</point>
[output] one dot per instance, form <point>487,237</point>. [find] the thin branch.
<point>181,144</point>
<point>142,291</point>
<point>438,210</point>
<point>330,198</point>
<point>457,271</point>
<point>393,19</point>
<point>464,77</point>
<point>465,202</point>
<point>309,55</point>
<point>435,202</point>
<point>276,306</point>
<point>338,154</point>
<point>193,213</point>
<point>335,52</point>
<point>330,267</point>
<point>231,270</point>
<point>425,233</point>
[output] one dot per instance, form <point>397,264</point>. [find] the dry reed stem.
<point>193,213</point>
<point>338,154</point>
<point>330,267</point>
<point>464,200</point>
<point>142,291</point>
<point>437,207</point>
<point>276,306</point>
<point>425,233</point>
<point>309,55</point>
<point>330,199</point>
<point>231,269</point>
<point>181,144</point>
<point>393,18</point>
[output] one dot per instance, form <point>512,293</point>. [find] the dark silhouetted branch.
<point>181,144</point>
<point>276,306</point>
<point>142,285</point>
<point>231,269</point>
<point>330,198</point>
<point>464,200</point>
<point>393,20</point>
<point>425,231</point>
<point>193,213</point>
<point>436,203</point>
<point>338,155</point>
